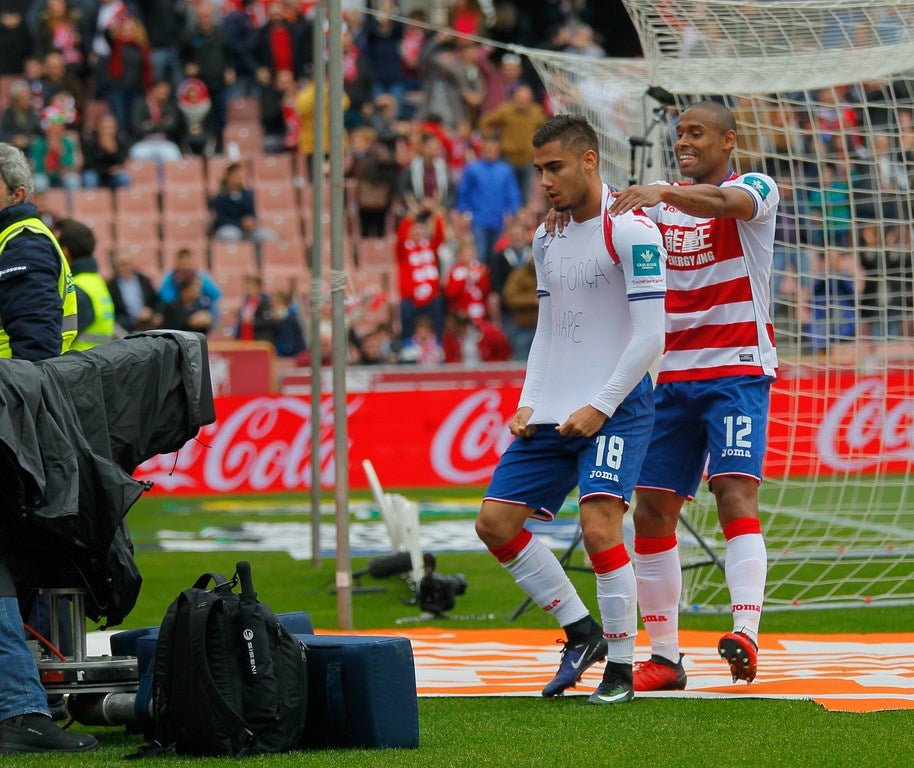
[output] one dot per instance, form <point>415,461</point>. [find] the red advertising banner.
<point>841,421</point>
<point>825,422</point>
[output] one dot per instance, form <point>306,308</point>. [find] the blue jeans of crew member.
<point>19,681</point>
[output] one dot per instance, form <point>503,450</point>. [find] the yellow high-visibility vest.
<point>65,284</point>
<point>101,330</point>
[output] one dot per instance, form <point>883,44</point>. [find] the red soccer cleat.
<point>659,674</point>
<point>741,653</point>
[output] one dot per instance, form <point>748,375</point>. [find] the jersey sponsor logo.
<point>689,246</point>
<point>746,357</point>
<point>759,185</point>
<point>646,260</point>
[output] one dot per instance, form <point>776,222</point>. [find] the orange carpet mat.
<point>848,673</point>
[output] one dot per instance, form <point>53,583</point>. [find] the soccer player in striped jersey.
<point>586,408</point>
<point>713,385</point>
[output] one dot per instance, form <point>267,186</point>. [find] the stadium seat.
<point>55,201</point>
<point>376,251</point>
<point>137,200</point>
<point>105,246</point>
<point>189,227</point>
<point>92,202</point>
<point>132,227</point>
<point>276,198</point>
<point>244,138</point>
<point>188,170</point>
<point>186,198</point>
<point>94,207</point>
<point>279,254</point>
<point>286,224</point>
<point>272,169</point>
<point>244,110</point>
<point>237,258</point>
<point>143,173</point>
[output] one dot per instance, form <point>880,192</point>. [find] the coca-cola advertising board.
<point>827,422</point>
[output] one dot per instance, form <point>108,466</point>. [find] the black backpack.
<point>228,678</point>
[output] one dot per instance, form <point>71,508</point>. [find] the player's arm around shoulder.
<point>707,201</point>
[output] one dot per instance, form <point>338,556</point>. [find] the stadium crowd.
<point>441,202</point>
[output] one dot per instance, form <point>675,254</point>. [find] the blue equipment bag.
<point>361,692</point>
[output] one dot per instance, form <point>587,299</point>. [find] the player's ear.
<point>590,160</point>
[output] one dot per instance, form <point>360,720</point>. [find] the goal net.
<point>822,94</point>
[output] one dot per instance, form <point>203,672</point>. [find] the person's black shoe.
<point>37,733</point>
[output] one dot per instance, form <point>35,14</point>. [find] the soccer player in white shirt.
<point>586,408</point>
<point>713,386</point>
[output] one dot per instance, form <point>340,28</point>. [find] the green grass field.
<point>457,732</point>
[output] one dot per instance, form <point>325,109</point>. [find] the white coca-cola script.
<point>864,428</point>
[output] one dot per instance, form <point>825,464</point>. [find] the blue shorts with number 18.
<point>540,471</point>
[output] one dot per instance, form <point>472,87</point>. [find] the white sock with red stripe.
<point>538,572</point>
<point>617,601</point>
<point>659,576</point>
<point>746,569</point>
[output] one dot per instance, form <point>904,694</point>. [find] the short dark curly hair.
<point>573,132</point>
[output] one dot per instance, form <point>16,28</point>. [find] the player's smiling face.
<point>562,174</point>
<point>702,149</point>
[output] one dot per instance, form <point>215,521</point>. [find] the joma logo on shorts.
<point>603,475</point>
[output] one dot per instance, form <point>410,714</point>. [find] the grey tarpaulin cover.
<point>72,431</point>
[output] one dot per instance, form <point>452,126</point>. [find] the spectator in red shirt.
<point>474,341</point>
<point>418,240</point>
<point>255,316</point>
<point>279,44</point>
<point>468,283</point>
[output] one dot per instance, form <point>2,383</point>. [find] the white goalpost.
<point>823,94</point>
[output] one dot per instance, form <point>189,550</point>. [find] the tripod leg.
<point>702,542</point>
